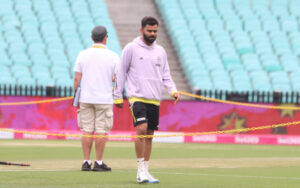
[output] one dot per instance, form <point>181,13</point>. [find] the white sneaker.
<point>151,178</point>
<point>141,176</point>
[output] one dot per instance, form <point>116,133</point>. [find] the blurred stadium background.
<point>40,39</point>
<point>223,45</point>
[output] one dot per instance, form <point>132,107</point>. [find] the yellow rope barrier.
<point>162,135</point>
<point>35,102</point>
<point>181,92</point>
<point>239,103</point>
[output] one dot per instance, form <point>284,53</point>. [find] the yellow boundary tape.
<point>181,92</point>
<point>239,103</point>
<point>35,102</point>
<point>152,136</point>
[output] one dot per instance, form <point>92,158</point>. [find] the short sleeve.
<point>116,62</point>
<point>77,67</point>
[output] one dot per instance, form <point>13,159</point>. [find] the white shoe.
<point>141,176</point>
<point>151,178</point>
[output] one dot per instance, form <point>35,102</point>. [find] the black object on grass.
<point>14,164</point>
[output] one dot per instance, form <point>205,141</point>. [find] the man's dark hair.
<point>98,33</point>
<point>98,39</point>
<point>149,21</point>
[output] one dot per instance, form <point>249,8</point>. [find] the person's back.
<point>98,66</point>
<point>95,70</point>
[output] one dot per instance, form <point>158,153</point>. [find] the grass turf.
<point>57,164</point>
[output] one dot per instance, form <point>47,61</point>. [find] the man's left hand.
<point>176,97</point>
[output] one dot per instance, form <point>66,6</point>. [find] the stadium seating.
<point>40,39</point>
<point>236,45</point>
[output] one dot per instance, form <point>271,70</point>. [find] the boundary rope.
<point>153,136</point>
<point>239,103</point>
<point>181,92</point>
<point>35,102</point>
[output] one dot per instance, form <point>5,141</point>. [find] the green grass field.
<point>58,163</point>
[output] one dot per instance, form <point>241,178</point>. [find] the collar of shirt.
<point>98,45</point>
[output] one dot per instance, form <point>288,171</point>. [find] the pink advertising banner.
<point>185,117</point>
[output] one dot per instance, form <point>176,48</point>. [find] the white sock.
<point>89,161</point>
<point>99,162</point>
<point>140,162</point>
<point>146,164</point>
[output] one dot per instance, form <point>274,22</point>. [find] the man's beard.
<point>149,40</point>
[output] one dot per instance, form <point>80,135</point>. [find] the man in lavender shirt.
<point>144,70</point>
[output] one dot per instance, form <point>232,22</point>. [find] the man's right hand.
<point>120,105</point>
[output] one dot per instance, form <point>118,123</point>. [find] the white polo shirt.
<point>97,65</point>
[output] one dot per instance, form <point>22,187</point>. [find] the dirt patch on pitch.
<point>65,165</point>
<point>40,144</point>
<point>226,162</point>
<point>47,143</point>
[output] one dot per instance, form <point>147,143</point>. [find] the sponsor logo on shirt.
<point>158,61</point>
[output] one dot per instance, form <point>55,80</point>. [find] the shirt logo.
<point>141,58</point>
<point>141,119</point>
<point>158,59</point>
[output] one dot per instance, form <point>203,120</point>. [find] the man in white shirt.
<point>95,70</point>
